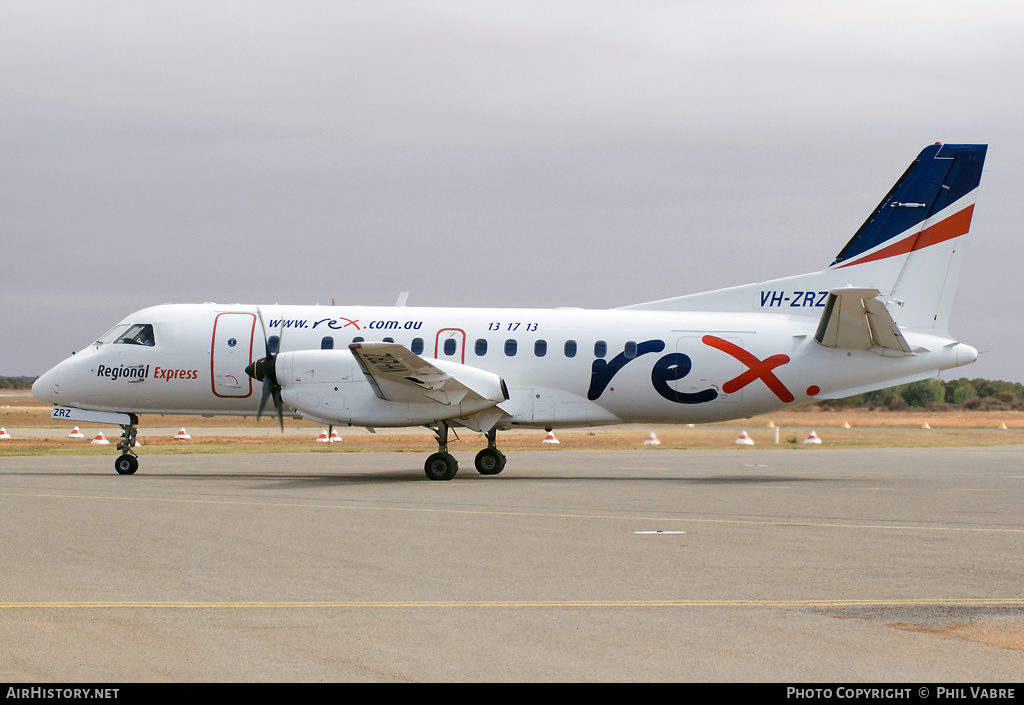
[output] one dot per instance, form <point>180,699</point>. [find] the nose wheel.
<point>128,462</point>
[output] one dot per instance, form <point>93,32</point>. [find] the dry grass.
<point>878,428</point>
<point>1007,635</point>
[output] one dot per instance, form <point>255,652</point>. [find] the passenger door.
<point>232,350</point>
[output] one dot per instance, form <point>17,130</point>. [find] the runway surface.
<point>881,565</point>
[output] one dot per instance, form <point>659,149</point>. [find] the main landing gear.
<point>442,465</point>
<point>128,462</point>
<point>490,461</point>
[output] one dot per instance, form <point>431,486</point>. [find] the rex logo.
<point>675,366</point>
<point>671,367</point>
<point>756,369</point>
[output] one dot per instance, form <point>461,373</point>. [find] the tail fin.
<point>908,249</point>
<point>917,232</point>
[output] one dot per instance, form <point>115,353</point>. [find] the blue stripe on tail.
<point>941,174</point>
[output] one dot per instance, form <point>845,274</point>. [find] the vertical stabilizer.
<point>919,230</point>
<point>909,249</point>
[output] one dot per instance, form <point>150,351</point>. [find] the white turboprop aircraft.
<point>876,317</point>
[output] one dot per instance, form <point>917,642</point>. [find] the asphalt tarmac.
<point>747,565</point>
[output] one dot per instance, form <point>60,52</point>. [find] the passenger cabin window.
<point>327,343</point>
<point>630,349</point>
<point>139,334</point>
<point>272,342</point>
<point>540,348</point>
<point>449,346</point>
<point>570,348</point>
<point>600,348</point>
<point>388,340</point>
<point>511,346</point>
<point>481,347</point>
<point>357,339</point>
<point>417,346</point>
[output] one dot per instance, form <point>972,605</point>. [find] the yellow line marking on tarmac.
<point>548,515</point>
<point>588,604</point>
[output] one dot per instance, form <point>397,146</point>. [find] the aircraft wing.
<point>857,319</point>
<point>399,375</point>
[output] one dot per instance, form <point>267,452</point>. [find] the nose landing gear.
<point>128,462</point>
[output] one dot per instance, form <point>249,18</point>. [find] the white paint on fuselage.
<point>179,373</point>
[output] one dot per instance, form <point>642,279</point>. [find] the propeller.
<point>265,370</point>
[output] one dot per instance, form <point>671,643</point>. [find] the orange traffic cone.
<point>744,440</point>
<point>322,438</point>
<point>652,440</point>
<point>100,440</point>
<point>182,435</point>
<point>550,438</point>
<point>813,438</point>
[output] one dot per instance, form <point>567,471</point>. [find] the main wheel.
<point>441,466</point>
<point>490,461</point>
<point>126,464</point>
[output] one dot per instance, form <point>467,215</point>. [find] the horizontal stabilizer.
<point>857,319</point>
<point>399,375</point>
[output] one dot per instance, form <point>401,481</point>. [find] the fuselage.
<point>561,367</point>
<point>877,316</point>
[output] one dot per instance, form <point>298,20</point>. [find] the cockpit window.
<point>139,334</point>
<point>113,334</point>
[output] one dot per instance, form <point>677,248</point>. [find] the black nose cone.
<point>261,369</point>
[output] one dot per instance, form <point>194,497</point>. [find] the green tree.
<point>993,388</point>
<point>923,393</point>
<point>963,391</point>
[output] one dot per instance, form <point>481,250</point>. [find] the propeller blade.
<point>263,327</point>
<point>264,395</point>
<point>265,370</point>
<point>279,405</point>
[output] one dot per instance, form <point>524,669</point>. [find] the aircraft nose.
<point>42,388</point>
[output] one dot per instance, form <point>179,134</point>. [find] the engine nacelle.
<point>328,386</point>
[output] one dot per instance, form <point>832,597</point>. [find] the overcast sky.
<point>550,153</point>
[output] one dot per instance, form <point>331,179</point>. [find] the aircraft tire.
<point>126,464</point>
<point>490,461</point>
<point>441,466</point>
